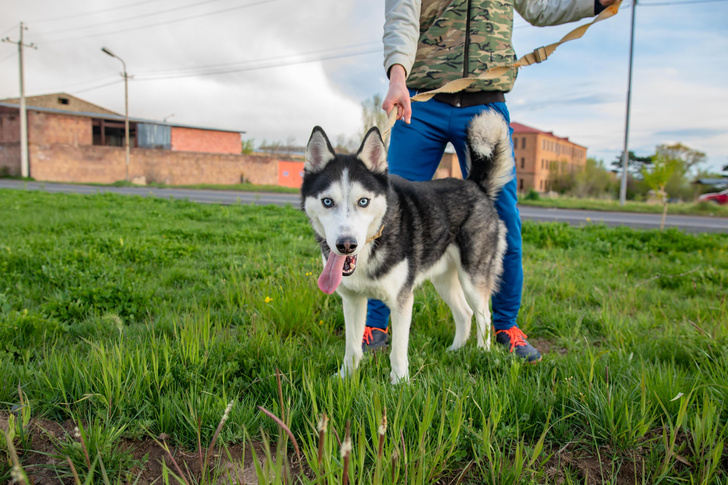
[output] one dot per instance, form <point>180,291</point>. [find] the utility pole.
<point>625,154</point>
<point>126,106</point>
<point>24,166</point>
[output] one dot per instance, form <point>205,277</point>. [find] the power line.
<point>81,83</point>
<point>255,67</point>
<point>193,69</point>
<point>116,21</point>
<point>95,12</point>
<point>156,24</point>
<point>9,30</point>
<point>97,87</point>
<point>220,69</point>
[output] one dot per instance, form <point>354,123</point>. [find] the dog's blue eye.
<point>363,202</point>
<point>327,202</point>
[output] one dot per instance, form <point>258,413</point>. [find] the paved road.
<point>630,219</point>
<point>574,217</point>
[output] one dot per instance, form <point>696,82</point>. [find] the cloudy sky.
<point>276,68</point>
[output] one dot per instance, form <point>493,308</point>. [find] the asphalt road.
<point>574,217</point>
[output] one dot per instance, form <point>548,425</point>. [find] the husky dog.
<point>381,236</point>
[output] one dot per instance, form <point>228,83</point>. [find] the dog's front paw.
<point>455,346</point>
<point>484,345</point>
<point>343,373</point>
<point>396,378</point>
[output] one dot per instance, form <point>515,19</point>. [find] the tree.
<point>657,176</point>
<point>594,180</point>
<point>248,146</point>
<point>687,161</point>
<point>374,115</point>
<point>687,157</point>
<point>272,148</point>
<point>346,145</point>
<point>635,163</point>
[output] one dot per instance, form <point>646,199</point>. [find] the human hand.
<point>398,96</point>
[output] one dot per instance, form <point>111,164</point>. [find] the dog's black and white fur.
<point>382,236</point>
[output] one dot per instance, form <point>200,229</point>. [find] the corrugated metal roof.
<point>717,182</point>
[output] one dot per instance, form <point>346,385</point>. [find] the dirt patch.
<point>43,467</point>
<point>594,469</point>
<point>546,346</point>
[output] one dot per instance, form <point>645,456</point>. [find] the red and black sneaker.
<point>515,340</point>
<point>374,339</point>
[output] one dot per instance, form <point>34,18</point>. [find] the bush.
<point>532,195</point>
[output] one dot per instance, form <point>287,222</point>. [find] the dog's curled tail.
<point>490,163</point>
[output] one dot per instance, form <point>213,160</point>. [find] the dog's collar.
<point>376,236</point>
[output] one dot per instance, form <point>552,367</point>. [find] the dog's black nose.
<point>346,245</point>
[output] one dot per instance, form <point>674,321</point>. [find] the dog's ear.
<point>373,152</point>
<point>318,151</point>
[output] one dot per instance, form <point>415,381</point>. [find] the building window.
<point>112,133</point>
<point>520,185</point>
<point>153,136</point>
<point>523,162</point>
<point>523,142</point>
<point>62,100</point>
<point>515,143</point>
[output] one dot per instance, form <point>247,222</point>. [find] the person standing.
<point>428,43</point>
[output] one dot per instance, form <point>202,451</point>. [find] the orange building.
<point>290,173</point>
<point>539,156</point>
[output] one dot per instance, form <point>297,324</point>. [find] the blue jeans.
<point>415,152</point>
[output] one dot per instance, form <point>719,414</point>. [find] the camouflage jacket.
<point>437,41</point>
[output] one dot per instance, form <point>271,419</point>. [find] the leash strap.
<point>376,236</point>
<point>536,57</point>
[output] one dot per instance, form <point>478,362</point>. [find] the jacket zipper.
<point>466,53</point>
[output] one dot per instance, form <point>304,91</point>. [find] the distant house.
<point>72,140</point>
<point>539,155</point>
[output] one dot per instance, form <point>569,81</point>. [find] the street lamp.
<point>625,153</point>
<point>126,106</point>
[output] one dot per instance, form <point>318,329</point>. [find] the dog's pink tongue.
<point>332,274</point>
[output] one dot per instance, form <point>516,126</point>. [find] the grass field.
<point>709,209</point>
<point>142,321</point>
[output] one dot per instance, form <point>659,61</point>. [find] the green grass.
<point>710,209</point>
<point>244,187</point>
<point>138,316</point>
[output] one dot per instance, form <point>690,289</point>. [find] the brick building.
<point>540,155</point>
<point>72,140</point>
